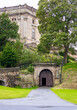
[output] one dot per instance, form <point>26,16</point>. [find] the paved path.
<point>41,97</point>
<point>23,107</point>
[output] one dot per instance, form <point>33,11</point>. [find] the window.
<point>25,19</point>
<point>33,33</point>
<point>13,19</point>
<point>32,21</point>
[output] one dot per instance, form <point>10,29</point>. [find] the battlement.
<point>25,6</point>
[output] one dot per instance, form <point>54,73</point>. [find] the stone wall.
<point>27,80</point>
<point>10,76</point>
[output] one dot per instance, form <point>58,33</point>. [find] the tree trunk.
<point>65,55</point>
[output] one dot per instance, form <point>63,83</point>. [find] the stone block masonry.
<point>9,76</point>
<point>25,17</point>
<point>12,77</point>
<point>45,74</point>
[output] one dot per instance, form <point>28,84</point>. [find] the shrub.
<point>18,48</point>
<point>0,58</point>
<point>50,58</point>
<point>24,71</point>
<point>9,57</point>
<point>28,57</point>
<point>30,68</point>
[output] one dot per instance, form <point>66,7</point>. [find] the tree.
<point>18,48</point>
<point>59,18</point>
<point>28,57</point>
<point>8,30</point>
<point>45,44</point>
<point>9,57</point>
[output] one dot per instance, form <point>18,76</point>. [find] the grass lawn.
<point>69,77</point>
<point>69,72</point>
<point>10,93</point>
<point>67,94</point>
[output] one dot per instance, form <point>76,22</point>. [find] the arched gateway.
<point>46,78</point>
<point>45,74</point>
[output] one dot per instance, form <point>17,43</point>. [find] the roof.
<point>25,6</point>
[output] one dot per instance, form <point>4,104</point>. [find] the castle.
<point>44,73</point>
<point>25,17</point>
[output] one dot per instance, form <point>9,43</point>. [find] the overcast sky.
<point>6,3</point>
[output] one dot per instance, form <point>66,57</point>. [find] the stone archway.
<point>40,67</point>
<point>46,78</point>
<point>2,83</point>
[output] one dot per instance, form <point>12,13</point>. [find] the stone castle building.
<point>44,73</point>
<point>25,17</point>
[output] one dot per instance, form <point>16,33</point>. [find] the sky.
<point>6,3</point>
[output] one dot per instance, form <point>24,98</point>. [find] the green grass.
<point>70,65</point>
<point>69,70</point>
<point>69,76</point>
<point>10,93</point>
<point>67,94</point>
<point>68,89</point>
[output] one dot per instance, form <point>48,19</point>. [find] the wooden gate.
<point>46,78</point>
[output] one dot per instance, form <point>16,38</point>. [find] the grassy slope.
<point>69,75</point>
<point>67,94</point>
<point>9,93</point>
<point>68,89</point>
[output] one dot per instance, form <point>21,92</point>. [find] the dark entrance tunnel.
<point>43,81</point>
<point>2,83</point>
<point>46,78</point>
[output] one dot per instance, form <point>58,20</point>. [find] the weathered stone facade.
<point>12,77</point>
<point>42,71</point>
<point>25,17</point>
<point>9,76</point>
<point>39,67</point>
<point>27,80</point>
